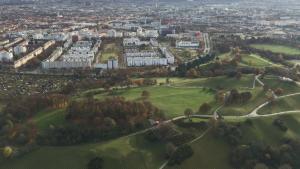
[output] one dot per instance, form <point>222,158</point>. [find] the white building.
<point>80,55</point>
<point>6,56</point>
<point>187,44</point>
<point>130,42</point>
<point>137,59</point>
<point>19,49</point>
<point>147,33</point>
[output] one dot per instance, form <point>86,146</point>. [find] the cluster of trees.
<point>93,120</point>
<point>185,67</point>
<point>189,124</point>
<point>22,108</point>
<point>258,154</point>
<point>290,73</point>
<point>235,97</point>
<point>280,124</point>
<point>176,148</point>
<point>95,163</point>
<point>274,57</point>
<point>181,153</point>
<point>230,132</point>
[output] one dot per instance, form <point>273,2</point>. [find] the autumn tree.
<point>192,73</point>
<point>188,112</point>
<point>145,94</point>
<point>95,163</point>
<point>204,108</point>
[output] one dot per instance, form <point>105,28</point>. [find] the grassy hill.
<point>285,104</point>
<point>173,101</point>
<point>277,48</point>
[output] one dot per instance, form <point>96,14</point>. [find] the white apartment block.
<point>187,44</point>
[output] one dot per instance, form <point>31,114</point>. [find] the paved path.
<point>254,112</point>
<point>194,140</point>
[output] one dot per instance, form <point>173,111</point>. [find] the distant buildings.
<point>187,44</point>
<point>6,56</point>
<point>80,55</point>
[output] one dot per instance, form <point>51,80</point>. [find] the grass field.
<point>49,117</point>
<point>185,54</point>
<point>136,153</point>
<point>126,152</point>
<point>277,48</point>
<point>252,60</point>
<point>258,98</point>
<point>109,51</point>
<point>173,101</point>
<point>212,82</point>
<point>285,104</point>
<point>209,153</point>
<point>296,62</point>
<point>274,82</point>
<point>264,130</point>
<point>255,60</point>
<point>132,152</point>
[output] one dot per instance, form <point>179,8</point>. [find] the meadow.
<point>277,48</point>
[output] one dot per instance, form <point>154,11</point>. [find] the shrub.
<point>182,153</point>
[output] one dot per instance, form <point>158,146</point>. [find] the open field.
<point>274,82</point>
<point>285,104</point>
<point>126,152</point>
<point>173,101</point>
<point>49,117</point>
<point>255,60</point>
<point>184,54</point>
<point>135,152</point>
<point>258,98</point>
<point>132,152</point>
<point>277,48</point>
<point>252,60</point>
<point>296,62</point>
<point>209,153</point>
<point>263,129</point>
<point>212,82</point>
<point>109,51</point>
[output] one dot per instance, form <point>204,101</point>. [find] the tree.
<point>145,94</point>
<point>192,73</point>
<point>170,149</point>
<point>181,154</point>
<point>261,166</point>
<point>278,91</point>
<point>238,75</point>
<point>188,112</point>
<point>95,163</point>
<point>7,151</point>
<point>205,107</point>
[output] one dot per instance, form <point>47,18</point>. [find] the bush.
<point>182,153</point>
<point>280,124</point>
<point>95,163</point>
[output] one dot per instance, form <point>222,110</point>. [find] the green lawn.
<point>126,152</point>
<point>285,104</point>
<point>212,82</point>
<point>296,62</point>
<point>263,129</point>
<point>49,117</point>
<point>185,54</point>
<point>173,101</point>
<point>258,98</point>
<point>109,51</point>
<point>255,61</point>
<point>209,153</point>
<point>274,82</point>
<point>252,60</point>
<point>277,48</point>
